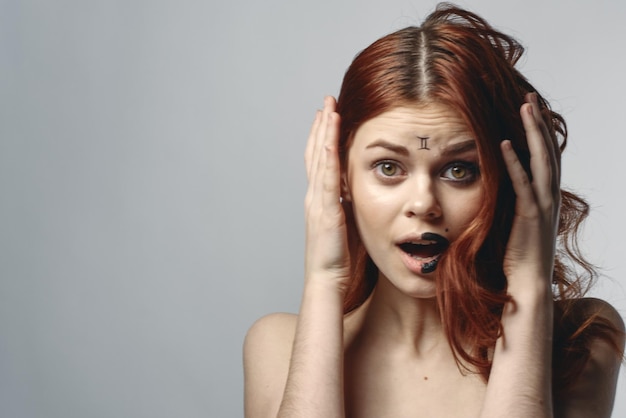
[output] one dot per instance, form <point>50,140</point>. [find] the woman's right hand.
<point>314,386</point>
<point>327,258</point>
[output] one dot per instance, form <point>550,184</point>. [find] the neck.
<point>391,317</point>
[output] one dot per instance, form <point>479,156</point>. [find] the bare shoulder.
<point>266,355</point>
<point>593,306</point>
<point>593,394</point>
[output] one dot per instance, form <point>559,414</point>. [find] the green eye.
<point>388,169</point>
<point>458,172</point>
<point>461,172</point>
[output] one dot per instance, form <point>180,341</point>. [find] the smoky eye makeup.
<point>461,172</point>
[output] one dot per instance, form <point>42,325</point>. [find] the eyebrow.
<point>398,149</point>
<point>458,148</point>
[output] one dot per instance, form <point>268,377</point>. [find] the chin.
<point>413,286</point>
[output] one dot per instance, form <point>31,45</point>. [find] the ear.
<point>345,189</point>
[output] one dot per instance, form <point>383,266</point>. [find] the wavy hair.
<point>457,59</point>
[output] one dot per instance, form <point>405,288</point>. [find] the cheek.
<point>367,191</point>
<point>372,207</point>
<point>475,201</point>
<point>462,210</point>
<point>365,205</point>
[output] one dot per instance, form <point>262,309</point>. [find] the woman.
<point>441,273</point>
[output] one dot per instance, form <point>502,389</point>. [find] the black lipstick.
<point>431,236</point>
<point>440,241</point>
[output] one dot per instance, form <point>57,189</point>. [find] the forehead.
<point>437,122</point>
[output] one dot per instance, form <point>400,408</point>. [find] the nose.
<point>422,201</point>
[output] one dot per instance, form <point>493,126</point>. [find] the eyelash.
<point>471,176</point>
<point>378,165</point>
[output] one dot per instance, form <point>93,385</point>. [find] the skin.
<point>390,357</point>
<point>398,190</point>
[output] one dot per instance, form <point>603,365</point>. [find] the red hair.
<point>457,59</point>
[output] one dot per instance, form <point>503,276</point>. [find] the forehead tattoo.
<point>423,142</point>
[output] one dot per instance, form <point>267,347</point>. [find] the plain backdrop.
<point>152,180</point>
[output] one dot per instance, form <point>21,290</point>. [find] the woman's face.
<point>414,182</point>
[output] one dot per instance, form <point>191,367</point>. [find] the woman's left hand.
<point>530,251</point>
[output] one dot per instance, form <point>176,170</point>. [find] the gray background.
<point>151,180</point>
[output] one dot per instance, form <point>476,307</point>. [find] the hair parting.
<point>457,59</point>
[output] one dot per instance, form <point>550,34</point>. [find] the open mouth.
<point>426,250</point>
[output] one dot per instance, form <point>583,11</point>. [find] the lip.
<point>428,263</point>
<point>424,238</point>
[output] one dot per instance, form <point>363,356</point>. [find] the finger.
<point>519,178</point>
<point>310,144</point>
<point>541,162</point>
<point>534,99</point>
<point>315,192</point>
<point>331,182</point>
<point>320,137</point>
<point>313,148</point>
<point>550,138</point>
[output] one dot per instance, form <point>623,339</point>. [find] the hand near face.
<point>327,256</point>
<point>530,252</point>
